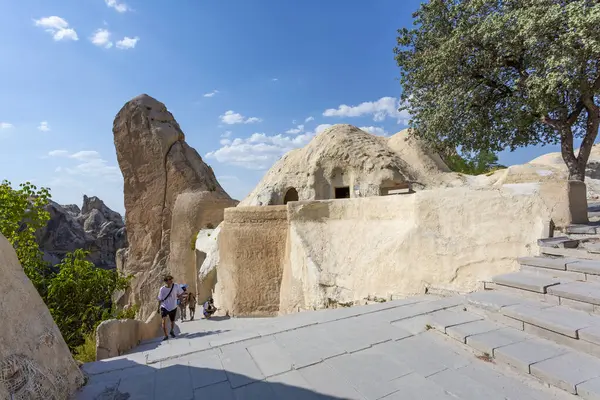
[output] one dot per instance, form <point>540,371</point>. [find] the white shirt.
<point>170,303</point>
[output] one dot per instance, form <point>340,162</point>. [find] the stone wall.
<point>448,239</point>
<point>252,246</point>
<point>116,336</point>
<point>316,254</point>
<point>192,211</point>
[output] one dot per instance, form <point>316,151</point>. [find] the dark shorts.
<point>172,314</point>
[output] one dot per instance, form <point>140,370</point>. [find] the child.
<point>209,308</point>
<point>183,301</point>
<point>192,305</point>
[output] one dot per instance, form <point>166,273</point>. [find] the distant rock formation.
<point>95,228</point>
<point>35,362</point>
<point>170,194</point>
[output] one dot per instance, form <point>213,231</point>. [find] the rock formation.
<point>170,194</point>
<point>345,156</point>
<point>35,362</point>
<point>95,228</point>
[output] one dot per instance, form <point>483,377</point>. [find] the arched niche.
<point>290,195</point>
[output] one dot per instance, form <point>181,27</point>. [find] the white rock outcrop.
<point>345,156</point>
<point>170,194</point>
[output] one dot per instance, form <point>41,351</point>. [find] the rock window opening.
<point>290,195</point>
<point>342,192</point>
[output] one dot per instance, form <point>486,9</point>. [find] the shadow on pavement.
<point>196,377</point>
<point>153,343</point>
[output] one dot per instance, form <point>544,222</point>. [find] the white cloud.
<point>127,43</point>
<point>224,142</point>
<point>309,119</point>
<point>275,79</point>
<point>88,163</point>
<point>58,27</point>
<point>6,125</point>
<point>296,130</point>
<point>230,118</point>
<point>375,130</point>
<point>119,7</point>
<point>101,38</point>
<point>58,153</point>
<point>226,134</point>
<point>85,155</point>
<point>380,110</point>
<point>211,94</point>
<point>260,151</point>
<point>44,127</point>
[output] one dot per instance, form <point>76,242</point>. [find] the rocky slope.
<point>95,228</point>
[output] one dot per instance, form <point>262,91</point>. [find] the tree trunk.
<point>591,127</point>
<point>568,155</point>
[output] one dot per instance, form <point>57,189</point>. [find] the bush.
<point>79,296</point>
<point>22,214</point>
<point>86,352</point>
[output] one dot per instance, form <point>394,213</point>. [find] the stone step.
<point>557,263</point>
<point>582,229</point>
<point>581,252</point>
<point>562,324</point>
<point>552,363</point>
<point>564,242</point>
<point>585,292</point>
<point>525,281</point>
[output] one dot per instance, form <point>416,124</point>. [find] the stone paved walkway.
<point>380,351</point>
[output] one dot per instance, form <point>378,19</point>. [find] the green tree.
<point>493,74</point>
<point>22,213</point>
<point>79,296</point>
<point>480,163</point>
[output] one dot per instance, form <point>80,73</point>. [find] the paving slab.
<point>292,385</point>
<point>255,391</point>
<point>414,325</point>
<point>400,313</point>
<point>206,369</point>
<point>328,382</point>
<point>240,368</point>
<point>521,355</point>
<point>271,358</point>
<point>415,386</point>
<point>586,266</point>
<point>305,350</point>
<point>567,371</point>
<point>559,263</point>
<point>174,382</point>
<point>463,387</point>
<point>221,391</point>
<point>490,341</point>
<point>512,388</point>
<point>369,373</point>
<point>138,387</point>
<point>533,283</point>
<point>558,319</point>
<point>586,292</point>
<point>493,300</point>
<point>589,390</point>
<point>441,320</point>
<point>426,353</point>
<point>558,242</point>
<point>591,334</point>
<point>463,331</point>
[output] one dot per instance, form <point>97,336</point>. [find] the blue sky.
<point>247,80</point>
